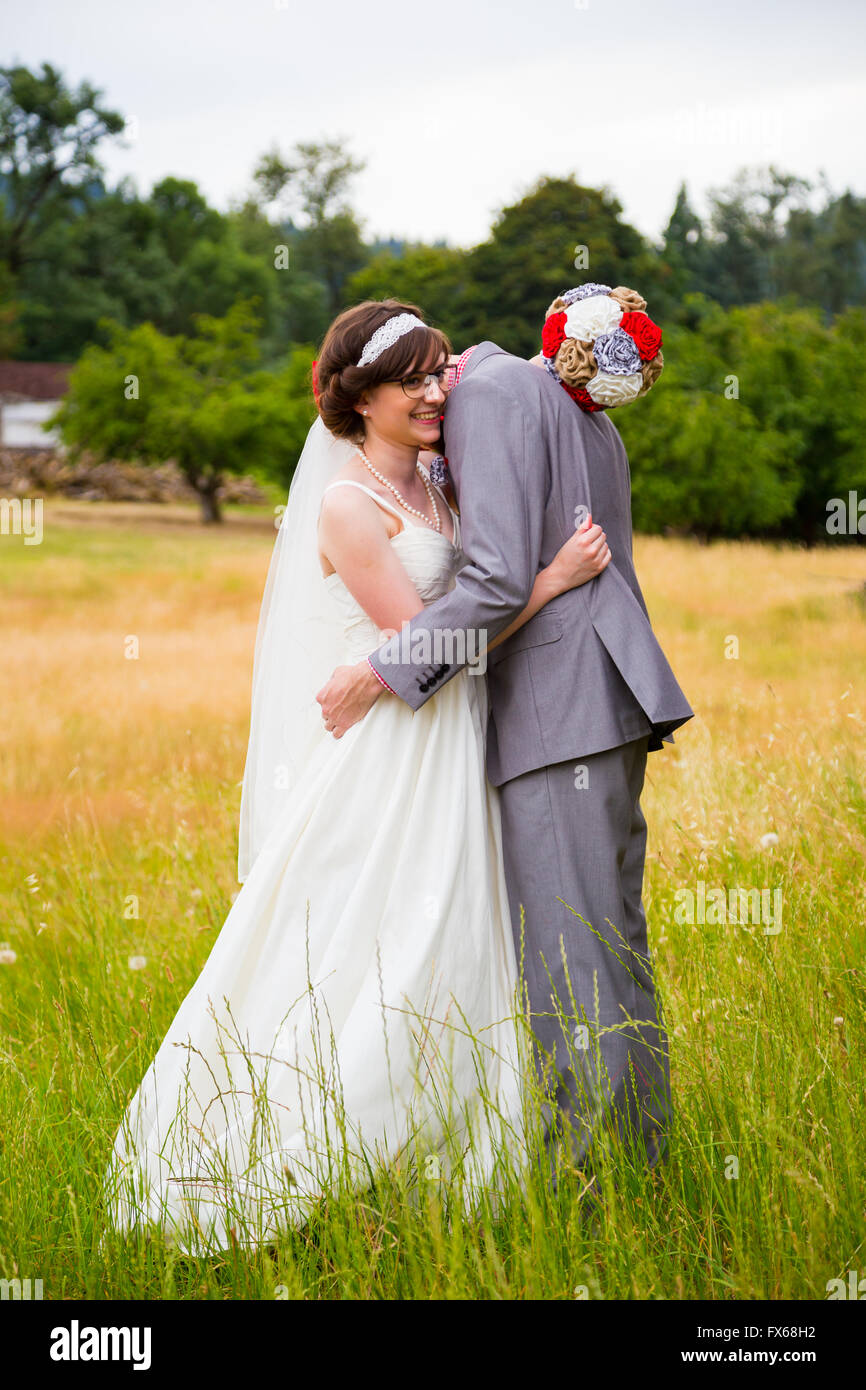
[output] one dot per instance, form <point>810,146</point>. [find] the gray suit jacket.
<point>586,673</point>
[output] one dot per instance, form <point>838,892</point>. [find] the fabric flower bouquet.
<point>601,346</point>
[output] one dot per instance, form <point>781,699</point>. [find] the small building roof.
<point>33,381</point>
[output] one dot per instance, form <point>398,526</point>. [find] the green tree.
<point>313,184</point>
<point>49,134</point>
<point>102,263</point>
<point>836,461</point>
<point>763,241</point>
<point>10,331</point>
<point>702,460</point>
<point>212,278</point>
<point>162,260</point>
<point>287,396</point>
<point>822,259</point>
<point>201,400</point>
<point>747,229</point>
<point>209,269</point>
<point>686,253</point>
<point>299,301</point>
<point>316,180</point>
<point>530,258</point>
<point>183,217</point>
<point>755,424</point>
<point>433,277</point>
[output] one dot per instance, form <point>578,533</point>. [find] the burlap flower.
<point>628,300</point>
<point>651,372</point>
<point>575,362</point>
<point>556,307</point>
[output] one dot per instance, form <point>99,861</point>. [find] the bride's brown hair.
<point>341,384</point>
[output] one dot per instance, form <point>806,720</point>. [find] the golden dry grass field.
<point>121,783</point>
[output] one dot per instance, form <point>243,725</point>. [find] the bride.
<point>359,1005</point>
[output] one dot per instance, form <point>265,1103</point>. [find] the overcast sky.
<point>458,106</point>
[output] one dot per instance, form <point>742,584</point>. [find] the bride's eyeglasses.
<point>419,383</point>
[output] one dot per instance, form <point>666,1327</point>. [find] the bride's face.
<point>406,411</point>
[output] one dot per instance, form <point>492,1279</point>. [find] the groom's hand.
<point>349,694</point>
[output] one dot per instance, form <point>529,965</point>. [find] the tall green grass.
<point>761,1195</point>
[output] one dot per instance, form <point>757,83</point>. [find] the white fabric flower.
<point>590,317</point>
<point>615,390</point>
<point>137,962</point>
<point>7,955</point>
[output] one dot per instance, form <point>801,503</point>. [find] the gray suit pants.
<point>575,831</point>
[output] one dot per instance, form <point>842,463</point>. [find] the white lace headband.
<point>387,334</point>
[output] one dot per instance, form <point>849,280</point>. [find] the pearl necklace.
<point>437,525</point>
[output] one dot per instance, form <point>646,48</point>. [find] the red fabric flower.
<point>553,334</point>
<point>583,398</point>
<point>316,381</point>
<point>647,335</point>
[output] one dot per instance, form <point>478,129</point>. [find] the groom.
<point>577,698</point>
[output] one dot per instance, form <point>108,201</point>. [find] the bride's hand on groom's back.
<point>585,554</point>
<point>347,696</point>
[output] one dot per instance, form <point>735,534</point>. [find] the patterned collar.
<point>461,364</point>
<point>439,465</point>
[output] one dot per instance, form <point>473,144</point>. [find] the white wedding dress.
<point>359,1004</point>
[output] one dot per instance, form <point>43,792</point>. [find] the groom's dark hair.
<point>341,383</point>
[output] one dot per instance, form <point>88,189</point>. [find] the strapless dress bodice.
<point>431,561</point>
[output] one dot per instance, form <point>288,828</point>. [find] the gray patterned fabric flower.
<point>438,470</point>
<point>583,292</point>
<point>616,353</point>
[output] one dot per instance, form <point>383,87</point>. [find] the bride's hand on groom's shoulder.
<point>585,554</point>
<point>349,694</point>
